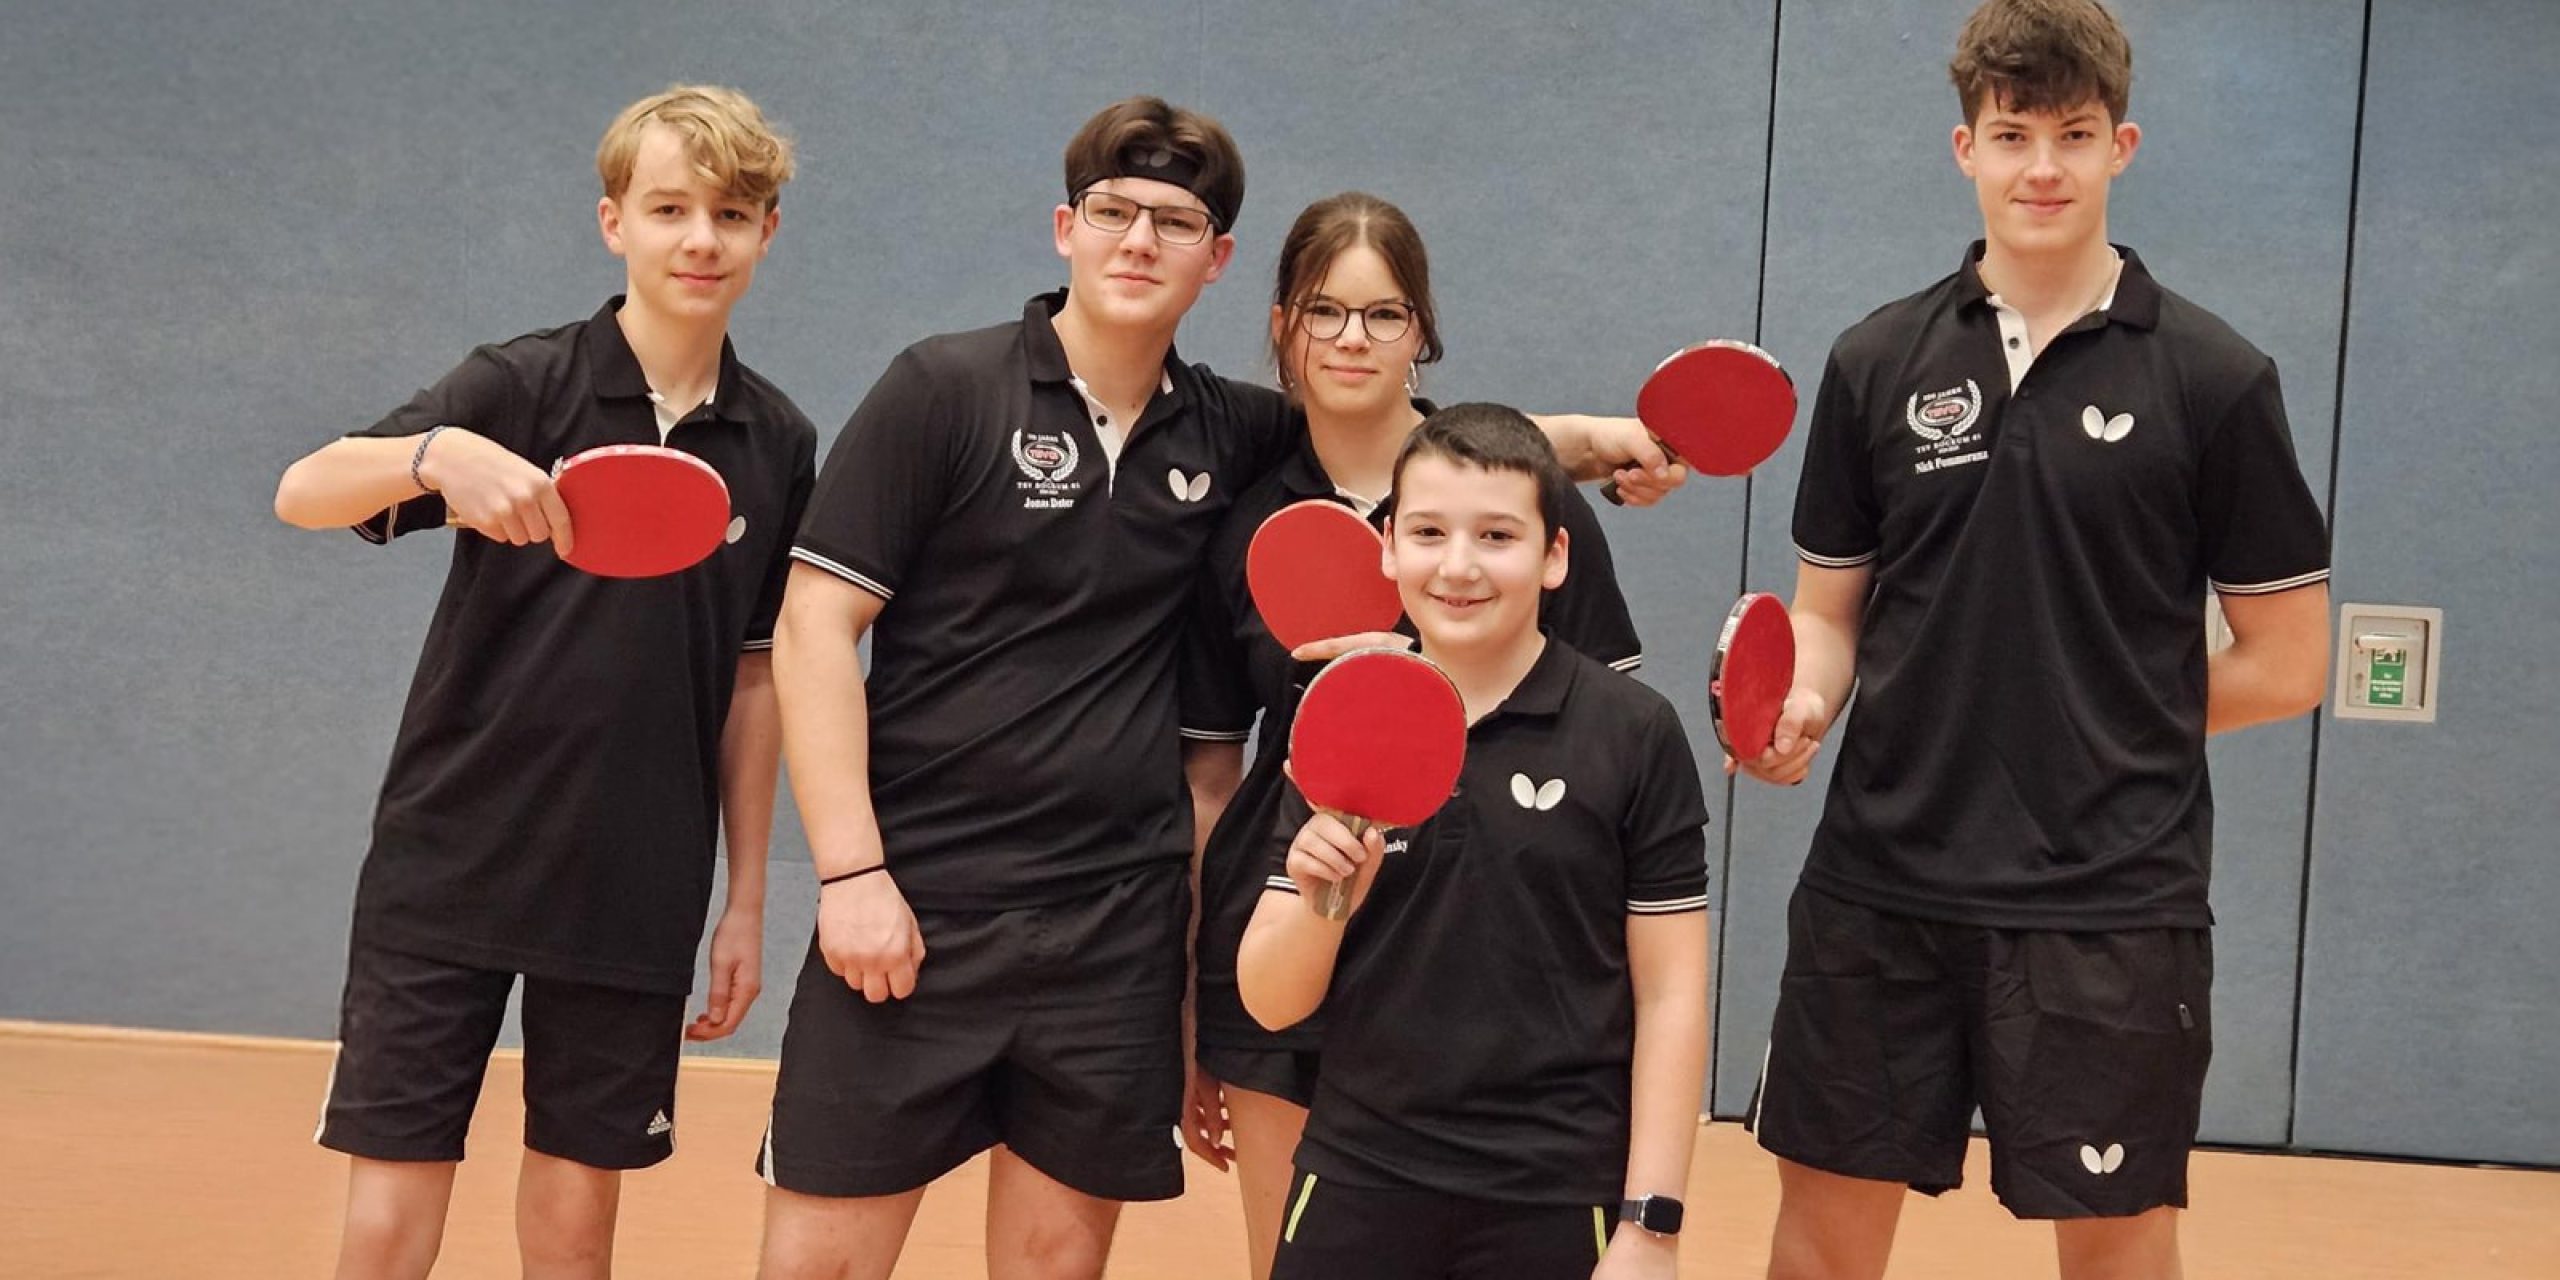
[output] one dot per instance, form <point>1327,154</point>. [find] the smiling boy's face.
<point>691,249</point>
<point>2041,177</point>
<point>1470,555</point>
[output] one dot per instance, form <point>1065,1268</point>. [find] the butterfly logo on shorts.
<point>1540,796</point>
<point>2104,1162</point>
<point>1187,488</point>
<point>2100,427</point>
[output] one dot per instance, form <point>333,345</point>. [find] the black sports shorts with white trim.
<point>414,1036</point>
<point>2085,1051</point>
<point>1336,1232</point>
<point>1055,1031</point>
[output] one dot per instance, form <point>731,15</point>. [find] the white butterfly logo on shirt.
<point>2101,427</point>
<point>1540,796</point>
<point>1187,488</point>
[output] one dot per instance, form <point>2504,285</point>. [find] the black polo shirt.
<point>1481,1035</point>
<point>553,800</point>
<point>1025,744</point>
<point>2027,745</point>
<point>1233,669</point>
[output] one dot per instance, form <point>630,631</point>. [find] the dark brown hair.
<point>2042,55</point>
<point>1490,437</point>
<point>1325,231</point>
<point>1150,133</point>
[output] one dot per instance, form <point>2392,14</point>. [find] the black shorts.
<point>414,1036</point>
<point>2085,1051</point>
<point>1286,1074</point>
<point>1334,1232</point>
<point>1055,1031</point>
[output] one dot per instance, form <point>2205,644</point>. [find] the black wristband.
<point>857,872</point>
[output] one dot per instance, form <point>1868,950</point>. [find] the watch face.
<point>1657,1214</point>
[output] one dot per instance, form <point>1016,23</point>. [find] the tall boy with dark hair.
<point>2018,487</point>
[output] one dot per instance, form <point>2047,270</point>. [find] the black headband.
<point>1164,164</point>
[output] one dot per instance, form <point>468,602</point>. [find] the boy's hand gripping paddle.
<point>1379,739</point>
<point>640,510</point>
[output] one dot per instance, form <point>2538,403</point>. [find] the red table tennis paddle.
<point>1755,666</point>
<point>1722,407</point>
<point>639,510</point>
<point>1313,570</point>
<point>1379,739</point>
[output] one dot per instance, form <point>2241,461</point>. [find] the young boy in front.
<point>572,745</point>
<point>2019,485</point>
<point>1518,998</point>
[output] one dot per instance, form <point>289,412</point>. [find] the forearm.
<point>347,481</point>
<point>1211,771</point>
<point>1670,1067</point>
<point>1572,435</point>
<point>1826,659</point>
<point>826,735</point>
<point>1826,614</point>
<point>1286,961</point>
<point>750,771</point>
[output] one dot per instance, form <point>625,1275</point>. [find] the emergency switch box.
<point>2390,658</point>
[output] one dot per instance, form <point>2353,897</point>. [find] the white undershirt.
<point>2014,342</point>
<point>1112,434</point>
<point>666,414</point>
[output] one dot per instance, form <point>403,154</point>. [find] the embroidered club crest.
<point>1047,459</point>
<point>1944,415</point>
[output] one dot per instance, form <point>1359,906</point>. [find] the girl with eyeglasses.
<point>1352,322</point>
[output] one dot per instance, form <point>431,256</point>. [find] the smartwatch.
<point>1659,1215</point>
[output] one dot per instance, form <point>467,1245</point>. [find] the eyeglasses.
<point>1324,319</point>
<point>1115,215</point>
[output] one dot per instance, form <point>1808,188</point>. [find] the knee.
<point>565,1218</point>
<point>383,1242</point>
<point>2142,1247</point>
<point>1795,1255</point>
<point>564,1231</point>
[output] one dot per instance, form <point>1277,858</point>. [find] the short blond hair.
<point>724,134</point>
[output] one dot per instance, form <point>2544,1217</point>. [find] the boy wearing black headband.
<point>1016,516</point>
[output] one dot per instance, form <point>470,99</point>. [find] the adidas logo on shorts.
<point>661,1124</point>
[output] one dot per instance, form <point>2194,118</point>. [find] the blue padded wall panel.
<point>1588,182</point>
<point>234,232</point>
<point>199,689</point>
<point>2430,1014</point>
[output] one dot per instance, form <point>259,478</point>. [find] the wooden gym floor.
<point>157,1155</point>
